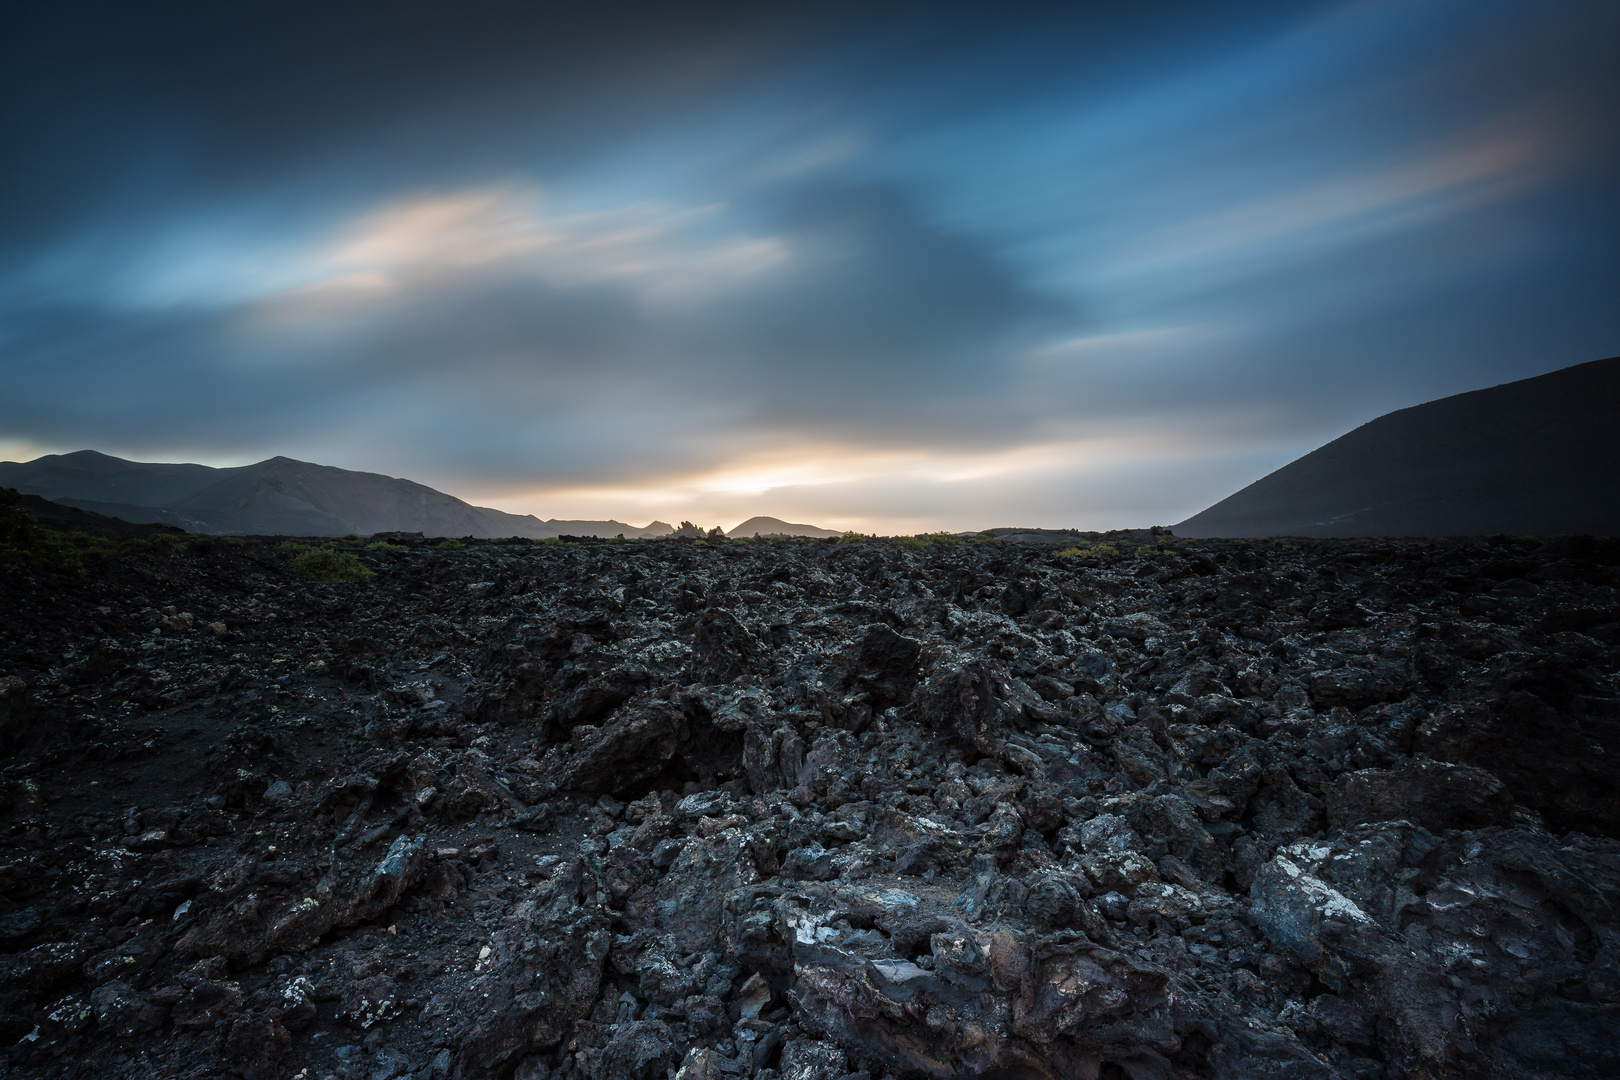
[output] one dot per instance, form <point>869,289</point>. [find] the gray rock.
<point>1437,795</point>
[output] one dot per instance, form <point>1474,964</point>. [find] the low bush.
<point>25,542</point>
<point>924,541</point>
<point>327,566</point>
<point>1094,551</point>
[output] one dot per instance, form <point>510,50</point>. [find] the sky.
<point>886,267</point>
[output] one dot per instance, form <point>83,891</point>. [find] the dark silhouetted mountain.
<point>277,497</point>
<point>1537,457</point>
<point>769,526</point>
<point>64,518</point>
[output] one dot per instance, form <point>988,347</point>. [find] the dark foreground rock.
<point>811,810</point>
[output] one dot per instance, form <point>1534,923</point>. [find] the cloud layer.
<point>898,271</point>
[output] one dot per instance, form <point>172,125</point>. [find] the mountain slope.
<point>89,475</point>
<point>277,496</point>
<point>769,526</point>
<point>1538,457</point>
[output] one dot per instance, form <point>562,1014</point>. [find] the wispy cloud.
<point>1405,195</point>
<point>1038,266</point>
<point>667,256</point>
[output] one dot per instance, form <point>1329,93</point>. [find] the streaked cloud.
<point>661,253</point>
<point>1402,195</point>
<point>881,272</point>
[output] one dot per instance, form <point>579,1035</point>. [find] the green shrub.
<point>924,541</point>
<point>328,566</point>
<point>1094,551</point>
<point>449,545</point>
<point>383,545</point>
<point>852,537</point>
<point>25,542</point>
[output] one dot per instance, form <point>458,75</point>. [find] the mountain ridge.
<point>1537,456</point>
<point>764,525</point>
<point>279,496</point>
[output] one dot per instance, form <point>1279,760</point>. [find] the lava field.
<point>1110,807</point>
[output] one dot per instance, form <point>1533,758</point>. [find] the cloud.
<point>660,253</point>
<point>1020,266</point>
<point>1403,195</point>
<point>531,343</point>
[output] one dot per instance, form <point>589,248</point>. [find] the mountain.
<point>769,526</point>
<point>1537,457</point>
<point>277,497</point>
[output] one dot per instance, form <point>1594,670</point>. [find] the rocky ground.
<point>815,810</point>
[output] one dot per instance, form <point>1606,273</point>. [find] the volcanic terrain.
<point>808,809</point>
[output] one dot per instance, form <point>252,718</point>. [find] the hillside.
<point>279,496</point>
<point>770,526</point>
<point>1535,457</point>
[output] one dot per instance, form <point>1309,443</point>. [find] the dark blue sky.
<point>885,267</point>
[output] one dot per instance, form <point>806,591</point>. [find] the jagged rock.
<point>543,972</point>
<point>721,646</point>
<point>1326,810</point>
<point>1435,794</point>
<point>807,1059</point>
<point>206,1003</point>
<point>634,746</point>
<point>1324,929</point>
<point>124,1013</point>
<point>690,900</point>
<point>886,666</point>
<point>243,925</point>
<point>1356,687</point>
<point>256,1046</point>
<point>639,1050</point>
<point>1119,871</point>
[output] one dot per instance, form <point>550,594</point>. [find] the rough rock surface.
<point>815,810</point>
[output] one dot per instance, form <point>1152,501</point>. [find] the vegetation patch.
<point>924,541</point>
<point>325,565</point>
<point>25,542</point>
<point>1093,551</point>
